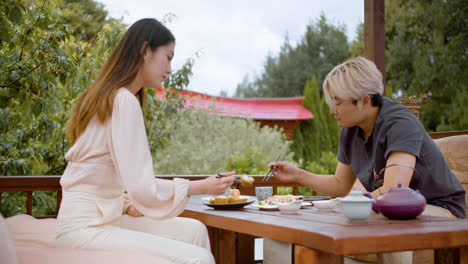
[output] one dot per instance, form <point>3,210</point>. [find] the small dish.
<point>324,205</point>
<point>315,198</point>
<point>267,207</point>
<point>290,207</point>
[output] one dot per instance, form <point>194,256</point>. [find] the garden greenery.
<point>203,142</point>
<point>43,69</point>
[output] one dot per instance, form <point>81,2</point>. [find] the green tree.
<point>245,89</point>
<point>316,136</point>
<point>356,47</point>
<point>322,47</point>
<point>43,69</point>
<point>85,18</point>
<point>427,51</point>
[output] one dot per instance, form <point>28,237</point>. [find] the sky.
<point>234,37</point>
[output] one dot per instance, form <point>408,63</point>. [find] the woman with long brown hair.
<point>110,156</point>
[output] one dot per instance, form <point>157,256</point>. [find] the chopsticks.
<point>244,180</point>
<point>268,175</point>
<point>219,175</point>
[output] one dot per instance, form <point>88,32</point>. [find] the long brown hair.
<point>120,69</point>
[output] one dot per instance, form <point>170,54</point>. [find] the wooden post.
<point>29,201</point>
<point>374,33</point>
<point>303,255</point>
<point>463,255</point>
<point>245,248</point>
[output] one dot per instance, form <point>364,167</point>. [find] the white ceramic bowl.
<point>324,205</point>
<point>356,207</point>
<point>290,207</point>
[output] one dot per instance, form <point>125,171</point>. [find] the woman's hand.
<point>131,210</point>
<point>285,171</point>
<point>212,185</point>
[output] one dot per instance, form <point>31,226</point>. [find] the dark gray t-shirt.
<point>397,129</point>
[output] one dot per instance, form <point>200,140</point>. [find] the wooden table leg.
<point>230,247</point>
<point>451,255</point>
<point>303,255</point>
<point>223,245</point>
<point>245,249</point>
<point>464,255</point>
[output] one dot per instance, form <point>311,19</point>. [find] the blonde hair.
<point>352,79</point>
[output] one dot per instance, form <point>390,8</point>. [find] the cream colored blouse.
<point>111,158</point>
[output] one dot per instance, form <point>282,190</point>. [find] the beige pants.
<point>179,240</point>
<point>405,257</point>
<point>425,256</point>
<point>280,252</point>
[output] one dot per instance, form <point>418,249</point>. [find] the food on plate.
<point>246,179</point>
<point>220,199</point>
<point>234,193</point>
<point>237,200</point>
<point>276,199</point>
<point>234,197</point>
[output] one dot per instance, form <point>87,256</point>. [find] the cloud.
<point>235,37</point>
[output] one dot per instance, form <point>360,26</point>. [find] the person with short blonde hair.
<point>382,144</point>
<point>352,80</point>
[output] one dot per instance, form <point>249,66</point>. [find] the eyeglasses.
<point>335,107</point>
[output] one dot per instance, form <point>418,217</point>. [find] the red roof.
<point>255,108</point>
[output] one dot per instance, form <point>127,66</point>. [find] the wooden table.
<point>325,237</point>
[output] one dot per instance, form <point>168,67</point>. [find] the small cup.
<point>357,207</point>
<point>263,192</point>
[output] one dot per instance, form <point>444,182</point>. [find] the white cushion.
<point>7,248</point>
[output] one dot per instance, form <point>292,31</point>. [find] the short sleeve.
<point>341,155</point>
<point>155,198</point>
<point>404,134</point>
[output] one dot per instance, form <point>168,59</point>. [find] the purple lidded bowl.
<point>401,203</point>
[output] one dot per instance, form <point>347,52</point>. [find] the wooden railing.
<point>435,135</point>
<point>29,184</point>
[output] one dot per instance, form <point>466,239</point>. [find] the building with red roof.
<point>286,113</point>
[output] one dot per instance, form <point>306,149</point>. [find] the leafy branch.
<point>10,85</point>
<point>30,30</point>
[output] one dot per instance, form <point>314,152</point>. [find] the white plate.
<point>250,199</point>
<point>207,199</point>
<point>275,207</point>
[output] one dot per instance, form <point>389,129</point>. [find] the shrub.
<point>205,143</point>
